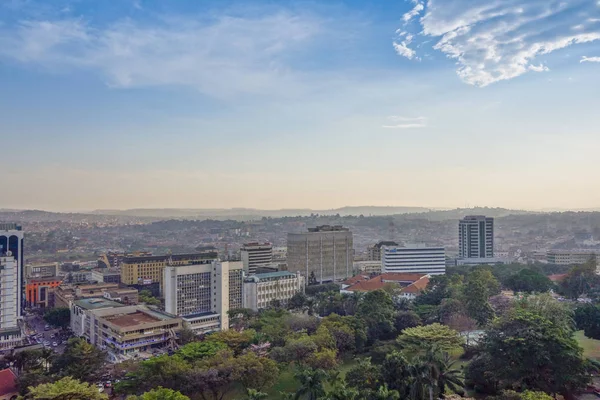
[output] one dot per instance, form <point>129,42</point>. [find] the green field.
<point>591,347</point>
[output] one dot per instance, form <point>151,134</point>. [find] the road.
<point>36,324</point>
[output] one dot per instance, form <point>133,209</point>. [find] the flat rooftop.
<point>129,320</point>
<point>95,303</point>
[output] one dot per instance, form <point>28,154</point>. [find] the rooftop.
<point>277,274</point>
<point>129,320</point>
<point>412,283</point>
<point>328,228</point>
<point>7,226</point>
<point>200,315</point>
<point>174,257</point>
<point>95,303</point>
<point>8,382</point>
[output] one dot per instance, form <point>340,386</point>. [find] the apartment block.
<point>262,290</point>
<point>476,237</point>
<point>325,251</point>
<point>10,332</point>
<point>255,255</point>
<point>41,270</point>
<point>374,252</point>
<point>414,259</point>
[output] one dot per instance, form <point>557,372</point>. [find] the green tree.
<point>476,302</point>
<point>529,281</point>
<point>587,318</point>
<point>256,395</point>
<point>257,372</point>
<point>396,373</point>
<point>423,338</point>
<point>186,335</point>
<point>377,310</point>
<point>325,359</point>
<point>341,391</point>
<point>298,302</point>
<point>300,349</point>
<point>383,393</point>
<point>145,296</point>
<point>448,375</point>
<point>199,350</point>
<point>165,371</point>
<point>160,394</point>
<point>527,350</point>
<point>312,383</point>
<point>214,377</point>
<point>544,305</point>
<point>364,375</point>
<point>65,389</point>
<point>236,341</point>
<point>581,280</point>
<point>80,360</point>
<point>58,317</point>
<point>406,319</point>
<point>529,395</point>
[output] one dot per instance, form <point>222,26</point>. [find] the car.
<point>100,387</point>
<point>54,344</point>
<point>108,384</point>
<point>52,335</point>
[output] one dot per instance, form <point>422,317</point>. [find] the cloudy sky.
<point>321,104</point>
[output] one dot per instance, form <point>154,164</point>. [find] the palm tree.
<point>47,355</point>
<point>386,394</point>
<point>448,376</point>
<point>311,383</point>
<point>254,394</point>
<point>341,392</point>
<point>421,379</point>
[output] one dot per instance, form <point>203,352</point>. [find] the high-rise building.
<point>202,294</point>
<point>374,252</point>
<point>10,302</point>
<point>255,255</point>
<point>146,270</point>
<point>325,251</point>
<point>476,237</point>
<point>11,242</point>
<point>416,259</point>
<point>261,290</point>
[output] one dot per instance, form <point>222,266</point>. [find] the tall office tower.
<point>11,240</point>
<point>476,237</point>
<point>416,259</point>
<point>327,251</point>
<point>202,294</point>
<point>10,302</point>
<point>374,252</point>
<point>256,255</point>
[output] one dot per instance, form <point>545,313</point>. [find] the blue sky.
<point>281,104</point>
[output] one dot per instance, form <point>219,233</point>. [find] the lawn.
<point>591,347</point>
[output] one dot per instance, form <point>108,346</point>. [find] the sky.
<point>299,104</point>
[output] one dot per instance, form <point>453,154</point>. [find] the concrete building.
<point>414,259</point>
<point>114,259</point>
<point>106,276</point>
<point>146,270</point>
<point>65,294</point>
<point>11,241</point>
<point>41,270</point>
<point>409,285</point>
<point>10,304</point>
<point>202,294</point>
<point>37,291</point>
<point>261,290</point>
<point>325,251</point>
<point>367,267</point>
<point>571,257</point>
<point>123,330</point>
<point>476,237</point>
<point>374,252</point>
<point>255,255</point>
<point>129,296</point>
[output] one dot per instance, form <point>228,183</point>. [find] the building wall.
<point>428,260</point>
<point>329,254</point>
<point>476,237</point>
<point>569,257</point>
<point>37,292</point>
<point>256,255</point>
<point>47,270</point>
<point>9,293</point>
<point>259,294</point>
<point>11,239</point>
<point>189,289</point>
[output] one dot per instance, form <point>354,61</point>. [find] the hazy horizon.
<point>221,104</point>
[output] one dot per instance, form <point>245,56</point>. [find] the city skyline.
<point>142,104</point>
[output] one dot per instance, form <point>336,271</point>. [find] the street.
<point>36,324</point>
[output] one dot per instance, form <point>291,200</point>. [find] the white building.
<point>202,294</point>
<point>10,331</point>
<point>367,267</point>
<point>571,257</point>
<point>417,259</point>
<point>261,290</point>
<point>11,240</point>
<point>476,237</point>
<point>255,255</point>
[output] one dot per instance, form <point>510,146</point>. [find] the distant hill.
<point>246,213</point>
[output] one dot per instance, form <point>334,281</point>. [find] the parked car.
<point>54,344</point>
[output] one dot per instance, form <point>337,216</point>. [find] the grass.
<point>591,347</point>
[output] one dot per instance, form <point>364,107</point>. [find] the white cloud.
<point>400,122</point>
<point>225,56</point>
<point>498,40</point>
<point>416,10</point>
<point>403,50</point>
<point>589,59</point>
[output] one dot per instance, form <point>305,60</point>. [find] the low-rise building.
<point>255,255</point>
<point>37,291</point>
<point>374,252</point>
<point>106,276</point>
<point>571,257</point>
<point>262,290</point>
<point>9,389</point>
<point>65,294</point>
<point>41,270</point>
<point>367,267</point>
<point>414,259</point>
<point>410,285</point>
<point>129,296</point>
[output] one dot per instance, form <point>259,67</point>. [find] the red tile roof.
<point>416,282</point>
<point>8,382</point>
<point>557,277</point>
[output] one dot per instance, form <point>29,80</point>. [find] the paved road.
<point>37,324</point>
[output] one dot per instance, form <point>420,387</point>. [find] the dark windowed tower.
<point>11,240</point>
<point>476,237</point>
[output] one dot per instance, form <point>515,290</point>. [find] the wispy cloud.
<point>589,59</point>
<point>400,122</point>
<point>225,56</point>
<point>416,10</point>
<point>498,40</point>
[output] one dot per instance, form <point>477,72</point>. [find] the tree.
<point>396,373</point>
<point>530,395</point>
<point>406,319</point>
<point>58,317</point>
<point>587,318</point>
<point>341,391</point>
<point>422,338</point>
<point>383,393</point>
<point>186,335</point>
<point>65,389</point>
<point>199,350</point>
<point>257,372</point>
<point>527,350</point>
<point>236,341</point>
<point>160,394</point>
<point>145,296</point>
<point>544,305</point>
<point>80,360</point>
<point>297,302</point>
<point>312,383</point>
<point>27,380</point>
<point>529,281</point>
<point>476,302</point>
<point>377,310</point>
<point>448,376</point>
<point>581,279</point>
<point>256,395</point>
<point>214,377</point>
<point>165,371</point>
<point>364,375</point>
<point>325,359</point>
<point>300,348</point>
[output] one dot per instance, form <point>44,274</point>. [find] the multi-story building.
<point>325,252</point>
<point>11,241</point>
<point>571,257</point>
<point>146,270</point>
<point>37,291</point>
<point>415,259</point>
<point>367,267</point>
<point>113,259</point>
<point>106,276</point>
<point>262,290</point>
<point>202,294</point>
<point>476,237</point>
<point>66,294</point>
<point>123,330</point>
<point>255,255</point>
<point>10,332</point>
<point>374,252</point>
<point>409,285</point>
<point>41,270</point>
<point>129,296</point>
